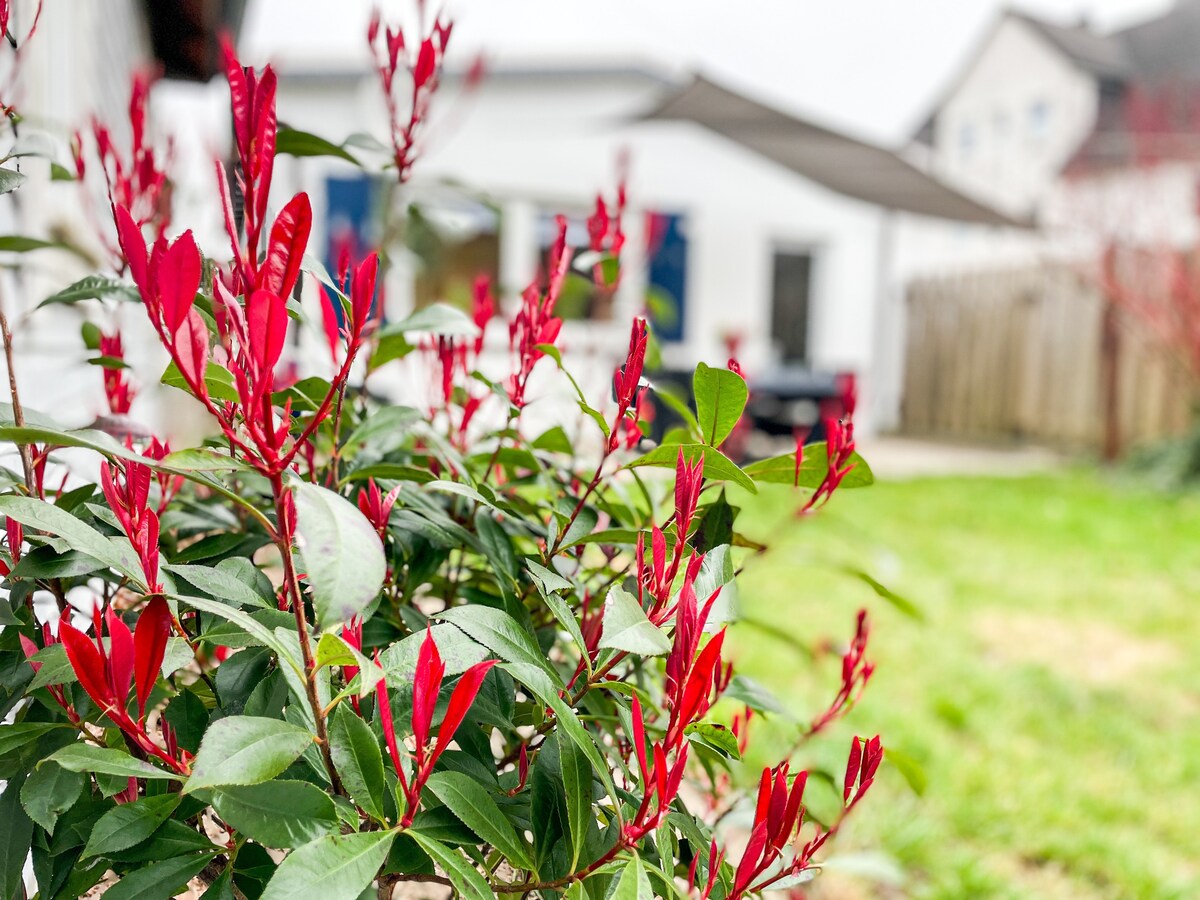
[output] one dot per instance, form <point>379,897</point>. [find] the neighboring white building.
<point>770,243</point>
<point>1093,136</point>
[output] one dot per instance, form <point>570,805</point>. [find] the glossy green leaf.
<point>474,806</point>
<point>129,824</point>
<point>342,555</point>
<point>333,867</point>
<point>466,878</point>
<point>717,466</point>
<point>577,780</point>
<point>277,813</point>
<point>94,287</point>
<point>291,142</point>
<point>633,882</point>
<point>500,633</point>
<point>246,750</point>
<point>16,835</point>
<point>160,880</point>
<point>626,626</point>
<point>40,515</point>
<point>720,400</point>
<point>106,761</point>
<point>358,760</point>
<point>49,791</point>
<point>813,467</point>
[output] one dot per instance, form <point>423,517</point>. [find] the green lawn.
<point>1051,696</point>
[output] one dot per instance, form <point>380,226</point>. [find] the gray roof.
<point>1104,55</point>
<point>1167,47</point>
<point>842,164</point>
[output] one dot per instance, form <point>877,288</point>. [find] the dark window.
<point>790,291</point>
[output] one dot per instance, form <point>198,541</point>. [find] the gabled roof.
<point>1165,47</point>
<point>840,163</point>
<point>1104,55</point>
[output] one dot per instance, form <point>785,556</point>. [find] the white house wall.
<point>556,142</point>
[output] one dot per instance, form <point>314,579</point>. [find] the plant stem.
<point>17,411</point>
<point>292,586</point>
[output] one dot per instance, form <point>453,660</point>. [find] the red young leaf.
<point>191,349</point>
<point>460,701</point>
<point>266,324</point>
<point>362,292</point>
<point>285,251</point>
<point>87,662</point>
<point>120,655</point>
<point>426,687</point>
<point>133,245</point>
<point>239,95</point>
<point>150,646</point>
<point>177,278</point>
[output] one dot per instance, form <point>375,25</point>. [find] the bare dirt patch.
<point>1095,652</point>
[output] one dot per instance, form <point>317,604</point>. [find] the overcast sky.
<point>870,66</point>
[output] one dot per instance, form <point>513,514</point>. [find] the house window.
<point>455,240</point>
<point>1001,125</point>
<point>1039,119</point>
<point>791,291</point>
<point>966,141</point>
<point>666,274</point>
<point>582,299</point>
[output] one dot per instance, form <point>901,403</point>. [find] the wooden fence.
<point>1027,355</point>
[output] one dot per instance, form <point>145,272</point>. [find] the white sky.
<point>871,67</point>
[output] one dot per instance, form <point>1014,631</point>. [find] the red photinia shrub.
<point>344,644</point>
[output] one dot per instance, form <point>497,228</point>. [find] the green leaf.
<point>250,624</point>
<point>291,142</point>
<point>38,514</point>
<point>19,243</point>
<point>16,835</point>
<point>500,633</point>
<point>474,806</point>
<point>129,824</point>
<point>105,761</point>
<point>383,429</point>
<point>217,379</point>
<point>751,693</point>
<point>633,884</point>
<point>436,318</point>
<point>160,880</point>
<point>342,554</point>
<point>10,180</point>
<point>94,287</point>
<point>716,736</point>
<point>465,877</point>
<point>21,733</point>
<point>389,347</point>
<point>577,779</point>
<point>333,867</point>
<point>59,172</point>
<point>903,604</point>
<point>332,650</point>
<point>277,813</point>
<point>458,651</point>
<point>358,761</point>
<point>220,584</point>
<point>626,626</point>
<point>547,692</point>
<point>717,466</point>
<point>912,771</point>
<point>49,792</point>
<point>720,399</point>
<point>813,467</point>
<point>246,750</point>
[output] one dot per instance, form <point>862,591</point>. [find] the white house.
<point>1092,135</point>
<point>779,231</point>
